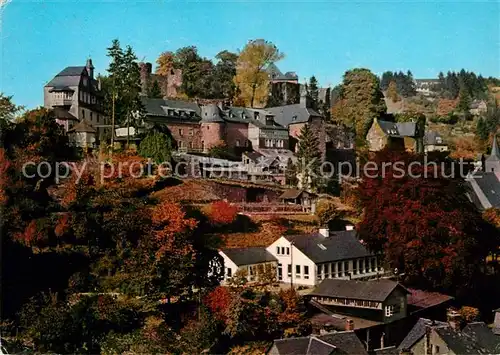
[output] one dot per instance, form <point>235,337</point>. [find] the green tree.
<point>155,91</point>
<point>313,91</point>
<point>222,83</point>
<point>363,102</point>
<point>251,77</point>
<point>309,158</point>
<point>157,146</point>
<point>464,100</point>
<point>8,109</point>
<point>291,173</point>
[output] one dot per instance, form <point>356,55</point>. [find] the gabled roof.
<point>397,129</point>
<point>72,71</point>
<point>69,76</point>
<point>63,114</point>
<point>253,156</point>
<point>482,335</point>
<point>340,245</point>
<point>459,342</point>
<point>290,114</point>
<point>334,343</point>
<point>431,138</point>
<point>484,190</point>
<point>418,331</point>
<point>83,127</point>
<point>426,299</point>
<point>377,290</point>
<point>249,256</point>
<point>291,193</point>
<point>156,107</point>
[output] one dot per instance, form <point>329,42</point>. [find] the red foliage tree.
<point>4,177</point>
<point>222,212</point>
<point>426,226</point>
<point>219,301</point>
<point>169,225</point>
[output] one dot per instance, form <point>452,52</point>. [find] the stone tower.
<point>212,126</point>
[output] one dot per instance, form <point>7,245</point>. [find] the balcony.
<point>59,101</point>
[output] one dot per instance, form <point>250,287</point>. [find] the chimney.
<point>349,227</point>
<point>325,232</point>
<point>349,324</point>
<point>305,100</point>
<point>454,319</point>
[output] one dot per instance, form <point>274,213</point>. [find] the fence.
<point>272,208</point>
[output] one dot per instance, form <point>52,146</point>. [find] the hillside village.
<point>194,214</point>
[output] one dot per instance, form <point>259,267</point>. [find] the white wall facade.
<point>298,261</point>
<point>230,268</point>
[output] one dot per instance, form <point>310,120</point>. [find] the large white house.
<point>307,259</point>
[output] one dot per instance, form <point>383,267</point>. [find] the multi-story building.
<point>75,96</point>
<point>197,128</point>
<point>308,259</point>
<point>295,117</point>
<point>284,89</point>
<point>169,84</point>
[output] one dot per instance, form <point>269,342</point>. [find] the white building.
<point>253,261</point>
<point>310,258</point>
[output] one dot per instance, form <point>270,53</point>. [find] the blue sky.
<point>40,38</point>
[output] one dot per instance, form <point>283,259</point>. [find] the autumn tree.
<point>308,158</point>
<point>165,63</point>
<point>252,78</point>
<point>327,211</point>
<point>362,101</point>
<point>222,212</point>
<point>424,223</point>
<point>392,92</point>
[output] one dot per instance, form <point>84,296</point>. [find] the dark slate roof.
<point>317,346</point>
<point>290,114</point>
<point>340,245</point>
<point>334,343</point>
<point>154,106</point>
<point>69,76</point>
<point>62,114</point>
<point>347,342</point>
<point>249,256</point>
<point>377,290</point>
<point>291,193</point>
<point>418,331</point>
<point>276,74</point>
<point>211,113</point>
<point>72,71</point>
<point>490,187</point>
<point>431,137</point>
<point>495,154</point>
<point>483,336</point>
<point>458,342</point>
<point>398,129</point>
<point>253,156</point>
<point>391,350</point>
<point>83,126</point>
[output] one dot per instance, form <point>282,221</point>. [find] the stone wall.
<point>187,133</point>
<point>211,134</point>
<point>236,132</point>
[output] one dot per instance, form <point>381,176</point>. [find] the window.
<point>367,265</point>
<point>346,268</point>
<point>333,270</point>
<point>84,81</point>
<point>294,118</point>
<point>83,113</point>
<point>181,144</point>
<point>289,270</point>
<point>361,266</point>
<point>203,145</point>
<point>297,271</point>
<point>237,143</point>
<point>181,132</point>
<point>91,116</point>
<point>287,251</point>
<point>306,272</point>
<point>81,96</point>
<point>191,132</point>
<point>320,271</point>
<point>354,267</point>
<point>229,272</point>
<point>340,269</point>
<point>208,127</point>
<point>97,118</point>
<point>373,264</point>
<point>191,145</point>
<point>282,250</point>
<point>321,246</point>
<point>278,250</point>
<point>389,311</point>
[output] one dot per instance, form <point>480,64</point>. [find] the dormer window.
<point>294,118</point>
<point>85,81</point>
